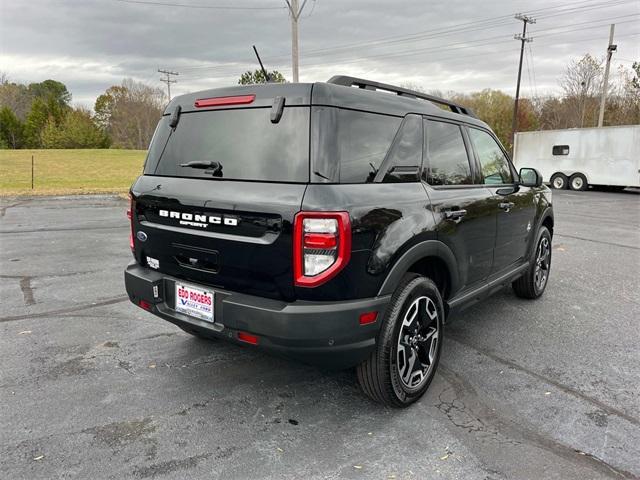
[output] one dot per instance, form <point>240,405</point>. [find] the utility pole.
<point>523,38</point>
<point>610,49</point>
<point>295,16</point>
<point>168,80</point>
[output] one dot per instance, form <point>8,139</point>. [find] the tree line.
<point>39,115</point>
<point>577,106</point>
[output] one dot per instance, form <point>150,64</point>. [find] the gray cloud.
<point>92,44</point>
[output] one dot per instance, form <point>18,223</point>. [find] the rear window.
<point>243,141</point>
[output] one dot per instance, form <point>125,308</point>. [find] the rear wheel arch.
<point>432,259</point>
<point>547,221</point>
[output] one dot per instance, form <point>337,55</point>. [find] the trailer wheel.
<point>578,182</point>
<point>559,181</point>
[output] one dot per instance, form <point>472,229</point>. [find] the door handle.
<point>455,215</point>
<point>506,206</point>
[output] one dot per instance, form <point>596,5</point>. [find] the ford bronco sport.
<point>336,223</point>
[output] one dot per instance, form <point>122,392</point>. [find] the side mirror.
<point>530,177</point>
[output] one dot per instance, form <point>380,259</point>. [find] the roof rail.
<point>347,81</point>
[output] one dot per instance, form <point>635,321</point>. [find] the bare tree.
<point>582,86</point>
<point>129,113</point>
<point>15,96</point>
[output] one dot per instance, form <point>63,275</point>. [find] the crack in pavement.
<point>3,210</point>
<point>575,237</point>
<point>54,275</point>
<point>488,424</point>
<point>86,306</point>
<point>569,390</point>
<point>63,229</point>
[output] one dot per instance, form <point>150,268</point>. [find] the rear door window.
<point>447,161</point>
<point>493,162</point>
<point>243,141</point>
<point>350,146</point>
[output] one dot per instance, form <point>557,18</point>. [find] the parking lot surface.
<point>94,387</point>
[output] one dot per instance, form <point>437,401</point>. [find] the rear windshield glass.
<point>243,142</point>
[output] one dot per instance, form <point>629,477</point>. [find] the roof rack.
<point>347,81</point>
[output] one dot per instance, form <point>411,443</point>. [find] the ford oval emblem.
<point>142,236</point>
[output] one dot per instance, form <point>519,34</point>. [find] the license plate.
<point>194,301</point>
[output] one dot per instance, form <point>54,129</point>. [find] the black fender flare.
<point>546,213</point>
<point>427,248</point>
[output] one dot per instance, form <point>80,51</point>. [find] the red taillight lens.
<point>247,338</point>
<point>220,101</point>
<point>367,318</point>
<point>145,305</point>
<point>132,208</point>
<point>321,246</point>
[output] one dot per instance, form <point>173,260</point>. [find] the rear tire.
<point>533,283</point>
<point>409,343</point>
<point>578,182</point>
<point>559,181</point>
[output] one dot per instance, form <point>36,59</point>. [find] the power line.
<point>208,7</point>
<point>459,45</point>
<point>428,34</point>
<point>533,71</point>
<point>450,60</point>
<point>526,63</point>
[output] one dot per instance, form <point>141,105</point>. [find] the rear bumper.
<point>326,334</point>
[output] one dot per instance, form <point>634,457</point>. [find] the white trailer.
<point>579,157</point>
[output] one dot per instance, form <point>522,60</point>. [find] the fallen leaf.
<point>25,332</point>
<point>39,457</point>
<point>153,365</point>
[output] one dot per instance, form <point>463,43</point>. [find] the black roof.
<point>390,101</point>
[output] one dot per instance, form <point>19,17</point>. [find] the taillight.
<point>132,208</point>
<point>321,246</point>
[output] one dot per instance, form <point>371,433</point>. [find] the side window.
<point>493,162</point>
<point>447,162</point>
<point>560,150</point>
<point>363,141</point>
<point>404,159</point>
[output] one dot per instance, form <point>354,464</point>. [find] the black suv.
<point>335,223</point>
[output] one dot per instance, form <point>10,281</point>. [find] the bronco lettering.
<point>202,221</point>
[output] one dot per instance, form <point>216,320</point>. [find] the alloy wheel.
<point>417,343</point>
<point>541,273</point>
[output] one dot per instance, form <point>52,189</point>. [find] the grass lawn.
<point>62,172</point>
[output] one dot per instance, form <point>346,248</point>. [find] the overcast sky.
<point>462,45</point>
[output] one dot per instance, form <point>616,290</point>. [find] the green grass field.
<point>63,172</point>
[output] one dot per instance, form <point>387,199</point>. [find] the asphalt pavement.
<point>94,387</point>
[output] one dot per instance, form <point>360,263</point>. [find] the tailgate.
<point>232,235</point>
